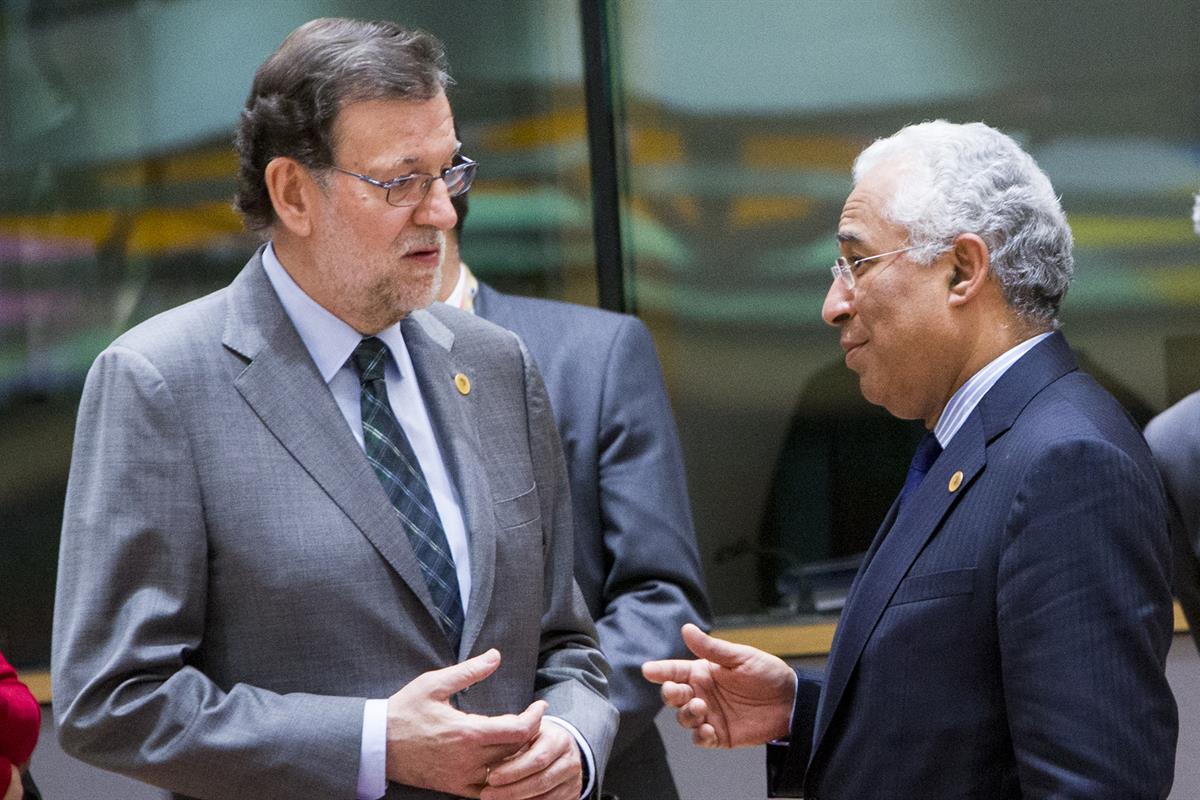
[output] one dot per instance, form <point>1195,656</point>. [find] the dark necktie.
<point>397,468</point>
<point>928,450</point>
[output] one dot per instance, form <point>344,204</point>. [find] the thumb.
<point>451,680</point>
<point>718,651</point>
<point>530,720</point>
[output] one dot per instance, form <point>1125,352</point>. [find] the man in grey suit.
<point>1174,437</point>
<point>635,550</point>
<point>317,539</point>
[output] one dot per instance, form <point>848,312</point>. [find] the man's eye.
<point>401,182</point>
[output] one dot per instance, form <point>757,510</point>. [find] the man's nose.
<point>839,304</point>
<point>435,209</point>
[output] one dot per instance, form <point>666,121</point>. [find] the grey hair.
<point>971,178</point>
<point>321,67</point>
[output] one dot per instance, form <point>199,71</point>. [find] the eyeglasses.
<point>843,268</point>
<point>409,190</point>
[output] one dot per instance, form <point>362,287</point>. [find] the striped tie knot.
<point>369,357</point>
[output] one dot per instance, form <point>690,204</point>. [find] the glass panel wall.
<point>739,126</point>
<point>116,175</point>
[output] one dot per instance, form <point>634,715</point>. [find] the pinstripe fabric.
<point>397,468</point>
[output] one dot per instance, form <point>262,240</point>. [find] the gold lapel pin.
<point>462,383</point>
<point>955,481</point>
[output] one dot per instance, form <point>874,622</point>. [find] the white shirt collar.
<point>328,339</point>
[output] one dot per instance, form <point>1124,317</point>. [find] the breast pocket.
<point>934,585</point>
<point>519,510</point>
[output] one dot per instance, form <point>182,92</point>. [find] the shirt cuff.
<point>795,699</point>
<point>372,759</point>
<point>589,762</point>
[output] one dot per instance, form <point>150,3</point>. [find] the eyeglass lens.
<point>411,191</point>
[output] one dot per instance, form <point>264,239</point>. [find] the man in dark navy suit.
<point>635,551</point>
<point>1007,633</point>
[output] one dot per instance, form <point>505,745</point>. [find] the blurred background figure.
<point>635,550</point>
<point>1174,437</point>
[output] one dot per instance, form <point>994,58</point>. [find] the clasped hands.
<point>432,744</point>
<point>733,695</point>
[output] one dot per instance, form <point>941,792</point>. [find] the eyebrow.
<point>408,160</point>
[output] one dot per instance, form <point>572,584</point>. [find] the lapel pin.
<point>955,481</point>
<point>462,383</point>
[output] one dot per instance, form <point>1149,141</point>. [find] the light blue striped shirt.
<point>970,393</point>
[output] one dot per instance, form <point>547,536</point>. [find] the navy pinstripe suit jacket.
<point>1007,633</point>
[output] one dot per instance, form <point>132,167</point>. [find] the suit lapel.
<point>905,532</point>
<point>286,391</point>
<point>895,548</point>
<point>430,346</point>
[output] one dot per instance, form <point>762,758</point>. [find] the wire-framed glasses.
<point>843,268</point>
<point>409,190</point>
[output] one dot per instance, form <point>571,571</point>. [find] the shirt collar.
<point>970,393</point>
<point>465,289</point>
<point>328,339</point>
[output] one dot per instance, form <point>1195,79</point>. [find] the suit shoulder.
<point>1075,411</point>
<point>182,332</point>
<point>559,312</point>
<point>554,330</point>
<point>1183,418</point>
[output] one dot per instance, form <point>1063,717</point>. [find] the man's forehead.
<point>398,132</point>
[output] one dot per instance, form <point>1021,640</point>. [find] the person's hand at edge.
<point>733,695</point>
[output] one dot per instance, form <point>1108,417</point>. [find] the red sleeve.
<point>5,775</point>
<point>20,717</point>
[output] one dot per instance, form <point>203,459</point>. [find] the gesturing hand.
<point>733,696</point>
<point>435,746</point>
<point>550,768</point>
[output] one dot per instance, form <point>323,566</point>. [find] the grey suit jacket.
<point>233,583</point>
<point>1174,437</point>
<point>635,550</point>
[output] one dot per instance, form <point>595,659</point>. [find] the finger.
<point>676,694</point>
<point>550,745</point>
<point>509,729</point>
<point>719,651</point>
<point>692,715</point>
<point>444,683</point>
<point>705,736</point>
<point>674,669</point>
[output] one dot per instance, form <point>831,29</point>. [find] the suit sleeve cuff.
<point>589,761</point>
<point>372,760</point>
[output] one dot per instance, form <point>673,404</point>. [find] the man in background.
<point>1007,633</point>
<point>635,550</point>
<point>317,538</point>
<point>1174,437</point>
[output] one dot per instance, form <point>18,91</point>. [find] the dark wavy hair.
<point>321,67</point>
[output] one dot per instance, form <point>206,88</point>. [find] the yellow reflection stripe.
<point>525,134</point>
<point>790,151</point>
<point>206,165</point>
<point>88,226</point>
<point>154,230</point>
<point>749,212</point>
<point>1108,231</point>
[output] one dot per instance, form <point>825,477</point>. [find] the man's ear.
<point>972,266</point>
<point>293,194</point>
